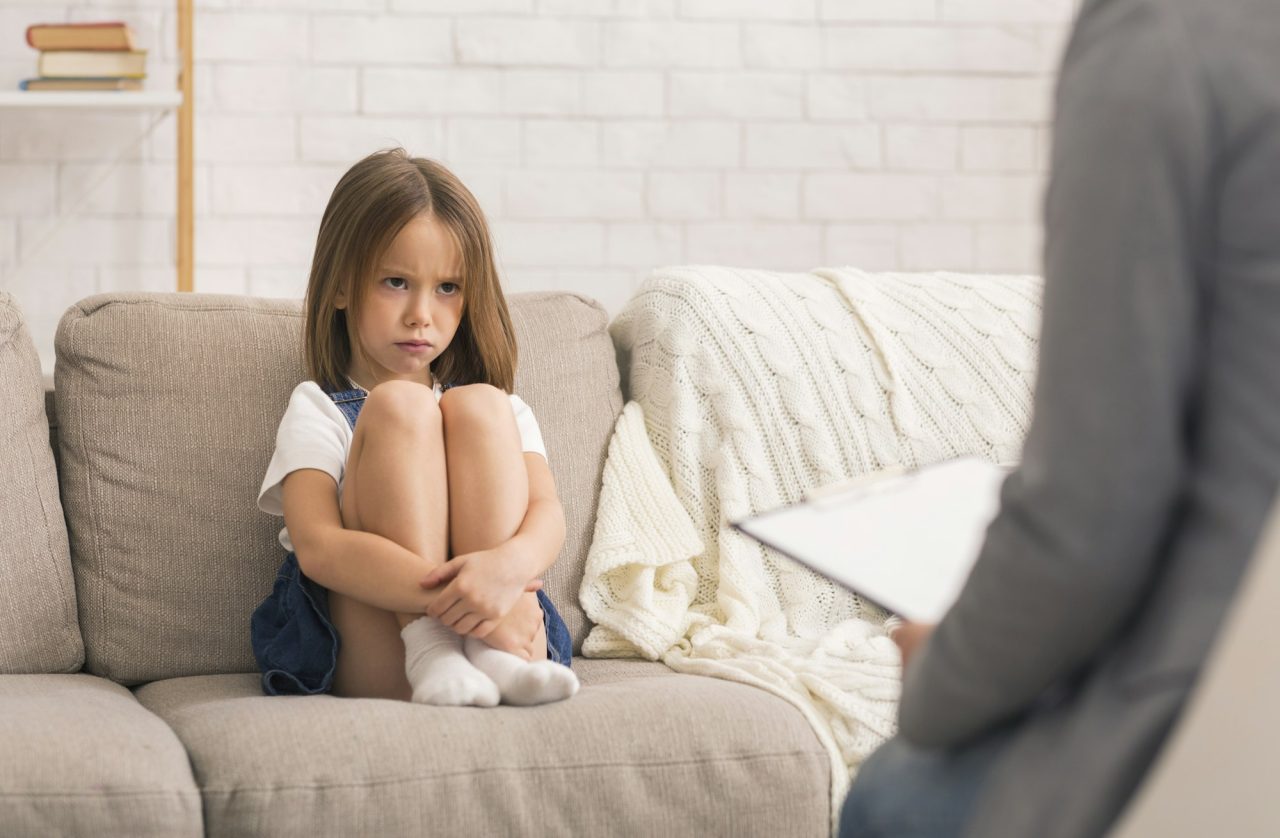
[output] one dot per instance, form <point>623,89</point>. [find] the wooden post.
<point>186,153</point>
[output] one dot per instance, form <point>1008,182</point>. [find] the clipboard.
<point>905,542</point>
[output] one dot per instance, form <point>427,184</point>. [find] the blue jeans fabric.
<point>908,792</point>
<point>294,641</point>
<point>293,637</point>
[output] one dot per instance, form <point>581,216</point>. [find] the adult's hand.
<point>910,637</point>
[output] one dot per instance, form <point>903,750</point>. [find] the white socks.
<point>438,671</point>
<point>441,674</point>
<point>521,682</point>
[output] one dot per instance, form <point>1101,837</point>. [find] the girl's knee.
<point>473,404</point>
<point>403,404</point>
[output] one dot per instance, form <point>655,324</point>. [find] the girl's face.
<point>410,308</point>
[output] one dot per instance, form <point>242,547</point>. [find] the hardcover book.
<point>80,84</point>
<point>110,35</point>
<point>93,64</point>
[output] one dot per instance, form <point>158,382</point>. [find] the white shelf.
<point>180,100</point>
<point>116,99</point>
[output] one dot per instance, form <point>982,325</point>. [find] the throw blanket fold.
<point>642,579</point>
<point>749,388</point>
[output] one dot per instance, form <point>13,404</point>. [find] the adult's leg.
<point>394,486</point>
<point>908,792</point>
<point>488,499</point>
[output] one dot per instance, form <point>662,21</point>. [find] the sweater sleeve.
<point>1083,520</point>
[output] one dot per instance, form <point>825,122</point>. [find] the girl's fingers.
<point>453,615</point>
<point>446,600</point>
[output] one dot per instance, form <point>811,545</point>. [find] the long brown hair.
<point>370,205</point>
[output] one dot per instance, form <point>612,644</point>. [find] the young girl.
<point>418,506</point>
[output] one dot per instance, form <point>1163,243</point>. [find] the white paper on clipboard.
<point>906,542</point>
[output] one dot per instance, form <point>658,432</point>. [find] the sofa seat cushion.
<point>82,757</point>
<point>639,750</point>
<point>39,631</point>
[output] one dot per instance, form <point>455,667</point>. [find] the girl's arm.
<point>537,543</point>
<point>361,565</point>
<point>483,586</point>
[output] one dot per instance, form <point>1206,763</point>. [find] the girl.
<point>418,506</point>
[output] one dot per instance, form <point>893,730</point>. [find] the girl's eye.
<point>392,280</point>
<point>449,288</point>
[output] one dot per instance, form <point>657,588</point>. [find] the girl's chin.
<point>415,371</point>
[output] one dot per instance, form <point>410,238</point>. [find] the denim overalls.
<point>295,641</point>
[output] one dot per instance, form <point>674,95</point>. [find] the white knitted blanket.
<point>749,388</point>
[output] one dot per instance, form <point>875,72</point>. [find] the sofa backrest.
<point>167,411</point>
<point>38,627</point>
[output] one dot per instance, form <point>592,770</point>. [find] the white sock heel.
<point>521,682</point>
<point>439,672</point>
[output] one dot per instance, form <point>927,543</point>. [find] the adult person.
<point>1038,703</point>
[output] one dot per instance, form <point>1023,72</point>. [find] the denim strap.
<point>349,402</point>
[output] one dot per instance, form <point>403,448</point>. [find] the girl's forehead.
<point>424,245</point>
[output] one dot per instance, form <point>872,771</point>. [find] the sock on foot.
<point>521,682</point>
<point>439,672</point>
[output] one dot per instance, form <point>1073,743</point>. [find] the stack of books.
<point>86,56</point>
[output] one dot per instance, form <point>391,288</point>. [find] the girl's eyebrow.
<point>392,270</point>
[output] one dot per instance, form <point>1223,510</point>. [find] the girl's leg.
<point>488,499</point>
<point>395,487</point>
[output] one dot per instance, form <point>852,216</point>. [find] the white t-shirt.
<point>314,434</point>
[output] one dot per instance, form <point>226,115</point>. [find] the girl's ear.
<point>340,301</point>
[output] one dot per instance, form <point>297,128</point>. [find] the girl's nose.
<point>419,314</point>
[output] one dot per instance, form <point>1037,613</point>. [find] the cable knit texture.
<point>750,387</point>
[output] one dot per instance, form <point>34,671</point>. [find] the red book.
<point>111,35</point>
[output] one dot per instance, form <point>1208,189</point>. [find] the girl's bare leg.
<point>394,486</point>
<point>489,485</point>
<point>488,499</point>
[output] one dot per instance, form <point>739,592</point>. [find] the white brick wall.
<point>603,137</point>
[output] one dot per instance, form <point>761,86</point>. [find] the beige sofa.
<point>129,698</point>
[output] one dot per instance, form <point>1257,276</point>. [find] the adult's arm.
<point>1085,518</point>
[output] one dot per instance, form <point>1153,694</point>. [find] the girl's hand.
<point>479,589</point>
<point>521,632</point>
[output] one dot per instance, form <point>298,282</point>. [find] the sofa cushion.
<point>568,374</point>
<point>82,757</point>
<point>168,406</point>
<point>38,627</point>
<point>640,750</point>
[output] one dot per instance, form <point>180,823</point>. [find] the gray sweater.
<point>1154,450</point>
